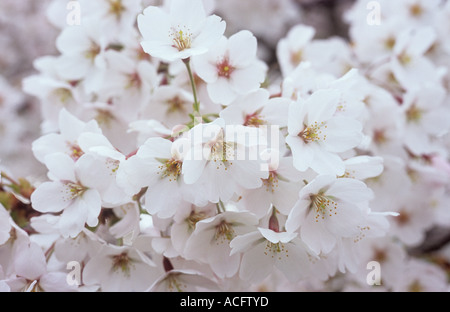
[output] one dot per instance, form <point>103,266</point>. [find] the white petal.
<point>47,144</point>
<point>248,79</point>
<point>165,52</point>
<point>93,204</point>
<point>285,196</point>
<point>205,69</point>
<point>155,148</point>
<point>257,201</point>
<point>295,263</point>
<point>325,162</point>
<point>296,117</point>
<point>244,242</point>
<point>73,40</point>
<point>221,92</point>
<point>154,24</point>
<point>242,48</point>
<point>51,197</point>
<point>192,170</point>
<point>164,199</point>
<point>302,154</point>
<point>275,237</point>
<point>297,215</point>
<point>136,173</point>
<point>363,167</point>
<point>55,282</point>
<point>211,33</point>
<point>5,225</point>
<point>350,190</point>
<point>71,222</point>
<point>317,185</point>
<point>73,67</point>
<point>316,236</point>
<point>249,271</point>
<point>88,140</point>
<point>96,269</point>
<point>346,221</point>
<point>187,13</point>
<point>61,166</point>
<point>24,267</point>
<point>223,264</point>
<point>70,126</point>
<point>342,133</point>
<point>322,105</point>
<point>248,173</point>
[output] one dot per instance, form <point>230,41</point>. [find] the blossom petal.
<point>242,48</point>
<point>248,79</point>
<point>303,154</point>
<point>221,91</point>
<point>211,33</point>
<point>60,166</point>
<point>350,190</point>
<point>51,197</point>
<point>256,273</point>
<point>324,162</point>
<point>154,25</point>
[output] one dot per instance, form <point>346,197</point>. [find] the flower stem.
<point>194,90</point>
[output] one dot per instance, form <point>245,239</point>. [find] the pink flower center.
<point>224,68</point>
<point>75,151</point>
<point>253,120</point>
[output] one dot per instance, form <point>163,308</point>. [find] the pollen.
<point>104,117</point>
<point>224,232</point>
<point>271,183</point>
<point>170,168</point>
<point>182,39</point>
<point>404,58</point>
<point>323,206</point>
<point>112,165</point>
<point>173,284</point>
<point>349,174</point>
<point>415,286</point>
<point>416,10</point>
<point>193,218</point>
<point>134,81</point>
<point>362,233</point>
<point>75,151</point>
<point>73,190</point>
<point>222,152</point>
<point>122,262</point>
<point>296,57</point>
<point>175,104</point>
<point>379,136</point>
<point>276,250</point>
<point>313,133</point>
<point>254,120</point>
<point>93,51</point>
<point>403,218</point>
<point>380,255</point>
<point>116,8</point>
<point>414,114</point>
<point>63,94</point>
<point>389,43</point>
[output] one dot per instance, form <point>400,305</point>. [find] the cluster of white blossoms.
<point>177,159</point>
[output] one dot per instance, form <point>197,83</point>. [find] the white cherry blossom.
<point>182,32</point>
<point>231,68</point>
<point>328,209</point>
<point>268,248</point>
<point>317,135</point>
